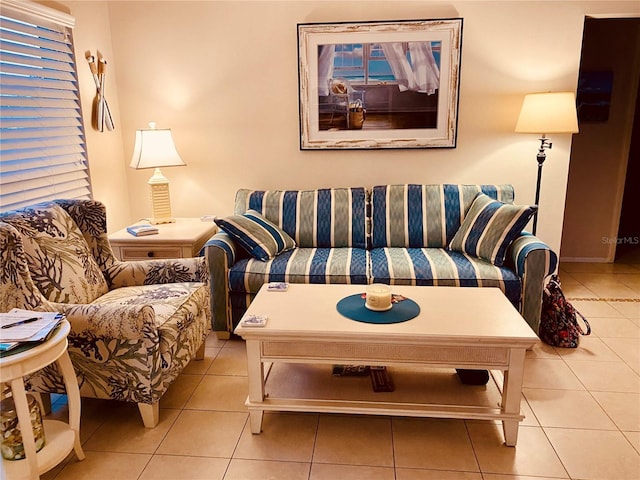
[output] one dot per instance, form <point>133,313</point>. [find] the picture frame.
<point>594,96</point>
<point>379,84</point>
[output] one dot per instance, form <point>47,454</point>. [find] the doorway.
<point>628,245</point>
<point>603,171</point>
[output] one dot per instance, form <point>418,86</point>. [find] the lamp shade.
<point>548,113</point>
<point>155,148</point>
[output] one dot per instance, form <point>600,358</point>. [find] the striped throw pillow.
<point>257,235</point>
<point>489,227</point>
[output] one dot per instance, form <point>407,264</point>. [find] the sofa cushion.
<point>489,227</point>
<point>424,215</point>
<point>440,267</point>
<point>329,217</point>
<point>301,265</point>
<point>60,261</point>
<point>257,235</point>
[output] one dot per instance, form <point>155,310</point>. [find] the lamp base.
<point>160,201</point>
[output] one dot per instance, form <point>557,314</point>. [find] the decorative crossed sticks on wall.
<point>101,115</point>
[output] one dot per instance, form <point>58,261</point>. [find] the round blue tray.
<point>353,308</point>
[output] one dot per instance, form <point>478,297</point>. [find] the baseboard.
<point>585,260</point>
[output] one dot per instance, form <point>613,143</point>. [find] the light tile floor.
<point>582,408</point>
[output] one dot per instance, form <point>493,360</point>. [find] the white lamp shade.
<point>155,148</point>
<point>543,113</point>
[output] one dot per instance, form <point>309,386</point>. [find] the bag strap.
<point>553,286</point>
<point>582,332</point>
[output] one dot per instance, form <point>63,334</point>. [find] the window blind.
<point>42,142</point>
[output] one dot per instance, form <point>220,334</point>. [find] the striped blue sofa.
<point>394,234</point>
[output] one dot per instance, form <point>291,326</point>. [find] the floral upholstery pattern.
<point>147,319</point>
<point>58,257</point>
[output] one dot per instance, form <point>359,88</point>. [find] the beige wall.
<point>108,177</point>
<point>223,76</point>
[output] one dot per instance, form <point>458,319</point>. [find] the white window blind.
<point>42,142</point>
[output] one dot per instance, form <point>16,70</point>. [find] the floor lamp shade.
<point>154,148</point>
<point>544,113</point>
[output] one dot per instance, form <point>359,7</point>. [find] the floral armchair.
<point>134,325</point>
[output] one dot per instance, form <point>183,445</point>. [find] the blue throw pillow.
<point>257,235</point>
<point>489,227</point>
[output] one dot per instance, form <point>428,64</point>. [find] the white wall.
<point>223,76</point>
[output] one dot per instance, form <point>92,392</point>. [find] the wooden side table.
<point>61,438</point>
<point>182,239</point>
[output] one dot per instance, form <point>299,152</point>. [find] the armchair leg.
<point>200,352</point>
<point>150,414</point>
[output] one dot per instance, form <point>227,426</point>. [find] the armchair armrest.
<point>130,322</point>
<point>151,272</point>
<point>533,261</point>
<point>220,252</point>
<point>114,349</point>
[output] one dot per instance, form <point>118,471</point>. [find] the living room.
<point>223,75</point>
<point>170,62</point>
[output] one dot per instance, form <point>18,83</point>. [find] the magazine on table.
<point>22,326</point>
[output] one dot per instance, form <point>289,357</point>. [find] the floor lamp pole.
<point>541,157</point>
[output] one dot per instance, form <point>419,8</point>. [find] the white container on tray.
<point>378,297</point>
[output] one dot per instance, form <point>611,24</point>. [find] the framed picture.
<point>375,85</point>
<point>594,96</point>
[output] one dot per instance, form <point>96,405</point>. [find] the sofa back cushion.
<point>60,261</point>
<point>331,217</point>
<point>424,215</point>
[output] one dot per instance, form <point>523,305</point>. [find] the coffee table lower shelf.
<point>378,408</point>
<point>269,400</point>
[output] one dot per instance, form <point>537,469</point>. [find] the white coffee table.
<point>471,328</point>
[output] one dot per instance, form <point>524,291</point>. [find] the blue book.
<point>141,230</point>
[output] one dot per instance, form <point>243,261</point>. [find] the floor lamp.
<point>154,148</point>
<point>544,113</point>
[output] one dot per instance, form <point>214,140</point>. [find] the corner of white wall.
<point>92,33</point>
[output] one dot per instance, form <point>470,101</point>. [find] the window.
<point>366,63</point>
<point>42,143</point>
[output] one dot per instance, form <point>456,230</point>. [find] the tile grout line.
<point>315,442</point>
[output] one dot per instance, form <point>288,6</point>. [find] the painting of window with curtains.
<point>379,84</point>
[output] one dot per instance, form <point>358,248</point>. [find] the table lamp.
<point>544,113</point>
<point>154,148</point>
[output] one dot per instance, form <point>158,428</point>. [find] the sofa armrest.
<point>220,252</point>
<point>152,272</point>
<point>533,261</point>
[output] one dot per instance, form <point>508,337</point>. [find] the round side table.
<point>61,437</point>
